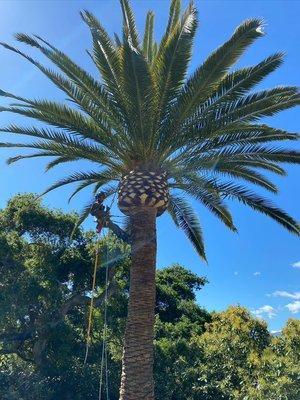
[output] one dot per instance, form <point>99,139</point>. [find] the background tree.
<point>44,280</point>
<point>232,345</point>
<point>152,130</point>
<point>43,307</point>
<point>279,367</point>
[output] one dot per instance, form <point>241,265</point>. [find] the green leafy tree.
<point>231,348</point>
<point>279,368</point>
<point>43,307</point>
<point>156,134</point>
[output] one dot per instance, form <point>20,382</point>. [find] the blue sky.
<point>259,267</point>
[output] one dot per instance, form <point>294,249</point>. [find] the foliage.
<point>45,277</point>
<point>43,307</point>
<point>147,113</point>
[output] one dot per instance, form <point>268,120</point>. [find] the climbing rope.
<point>104,340</point>
<point>90,317</point>
<point>104,363</point>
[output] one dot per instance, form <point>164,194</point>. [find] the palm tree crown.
<point>147,114</point>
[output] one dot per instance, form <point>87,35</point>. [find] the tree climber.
<point>103,218</point>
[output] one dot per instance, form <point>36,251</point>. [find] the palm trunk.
<point>137,365</point>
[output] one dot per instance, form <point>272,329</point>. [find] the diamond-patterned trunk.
<point>143,189</point>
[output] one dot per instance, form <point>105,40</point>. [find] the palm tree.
<point>157,137</point>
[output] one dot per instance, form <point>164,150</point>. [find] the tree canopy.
<point>45,277</point>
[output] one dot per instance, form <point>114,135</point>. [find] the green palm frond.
<point>148,37</point>
<point>257,105</point>
<point>80,97</point>
<point>87,152</point>
<point>259,204</point>
<point>130,31</point>
<point>78,76</point>
<point>243,135</point>
<point>97,185</point>
<point>60,160</point>
<point>14,159</point>
<point>203,191</point>
<point>239,82</point>
<point>106,57</point>
<point>138,86</point>
<point>174,16</point>
<point>102,177</point>
<point>242,154</point>
<point>172,61</point>
<point>185,218</point>
<point>206,78</point>
<point>247,174</point>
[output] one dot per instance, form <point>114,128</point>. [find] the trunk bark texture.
<point>137,366</point>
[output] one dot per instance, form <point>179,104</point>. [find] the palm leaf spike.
<point>171,63</point>
<point>148,37</point>
<point>129,27</point>
<point>174,18</point>
<point>139,88</point>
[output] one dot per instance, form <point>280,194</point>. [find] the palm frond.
<point>139,89</point>
<point>260,204</point>
<point>206,78</point>
<point>60,160</point>
<point>17,158</point>
<point>89,94</point>
<point>185,218</point>
<point>102,177</point>
<point>148,37</point>
<point>257,105</point>
<point>130,31</point>
<point>247,174</point>
<point>88,152</point>
<point>205,192</point>
<point>174,16</point>
<point>106,58</point>
<point>172,61</point>
<point>239,82</point>
<point>80,97</point>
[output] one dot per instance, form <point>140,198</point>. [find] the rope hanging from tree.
<point>104,364</point>
<point>102,216</point>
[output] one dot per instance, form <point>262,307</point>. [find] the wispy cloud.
<point>257,273</point>
<point>265,311</point>
<point>283,293</point>
<point>294,307</point>
<point>296,264</point>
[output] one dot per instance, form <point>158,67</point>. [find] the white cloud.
<point>283,293</point>
<point>294,307</point>
<point>257,273</point>
<point>266,310</point>
<point>296,264</point>
<point>275,333</point>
